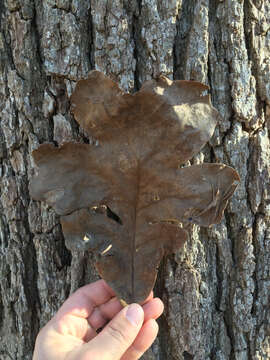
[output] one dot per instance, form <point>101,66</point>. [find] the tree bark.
<point>217,289</point>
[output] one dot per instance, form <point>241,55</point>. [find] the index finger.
<point>83,301</point>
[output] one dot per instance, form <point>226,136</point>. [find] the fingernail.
<point>134,314</point>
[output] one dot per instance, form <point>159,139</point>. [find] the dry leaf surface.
<point>127,199</point>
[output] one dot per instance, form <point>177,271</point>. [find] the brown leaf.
<point>126,199</point>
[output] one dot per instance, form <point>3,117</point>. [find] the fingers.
<point>83,302</point>
<point>150,296</point>
<point>105,312</point>
<point>85,299</point>
<point>95,304</point>
<point>117,336</point>
<point>89,334</point>
<point>101,315</point>
<point>143,341</point>
<point>152,308</point>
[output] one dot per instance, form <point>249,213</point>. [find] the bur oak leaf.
<point>127,199</point>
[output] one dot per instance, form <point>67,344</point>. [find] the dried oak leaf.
<point>126,199</point>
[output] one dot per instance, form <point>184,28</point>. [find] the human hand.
<point>71,333</point>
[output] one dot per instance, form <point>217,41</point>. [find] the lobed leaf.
<point>127,200</point>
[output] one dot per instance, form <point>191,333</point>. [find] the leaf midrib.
<point>136,197</point>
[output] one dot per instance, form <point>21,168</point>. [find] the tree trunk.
<point>217,289</point>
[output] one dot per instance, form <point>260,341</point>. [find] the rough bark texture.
<point>216,291</point>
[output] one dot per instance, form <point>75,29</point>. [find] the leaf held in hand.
<point>126,199</point>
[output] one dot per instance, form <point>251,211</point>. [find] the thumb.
<point>113,341</point>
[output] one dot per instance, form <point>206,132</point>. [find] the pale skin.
<point>126,332</point>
